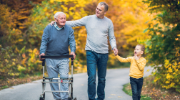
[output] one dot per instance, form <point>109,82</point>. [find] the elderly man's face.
<point>61,20</point>
<point>100,11</point>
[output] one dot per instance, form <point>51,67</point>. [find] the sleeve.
<point>123,59</point>
<point>44,41</point>
<point>80,22</point>
<point>112,38</point>
<point>72,42</point>
<point>141,64</point>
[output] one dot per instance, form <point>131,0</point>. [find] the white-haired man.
<point>55,42</point>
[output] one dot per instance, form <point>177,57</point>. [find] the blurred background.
<point>153,23</point>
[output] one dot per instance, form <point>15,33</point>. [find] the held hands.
<point>41,55</point>
<point>115,51</point>
<point>52,23</point>
<point>74,55</point>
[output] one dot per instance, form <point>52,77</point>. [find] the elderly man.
<point>55,42</point>
<point>98,29</point>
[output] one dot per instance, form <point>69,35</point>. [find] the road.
<point>115,80</point>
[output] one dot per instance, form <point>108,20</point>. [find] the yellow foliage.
<point>6,61</point>
<point>13,74</point>
<point>51,1</point>
<point>130,20</point>
<point>21,68</point>
<point>170,70</point>
<point>170,77</point>
<point>6,19</point>
<point>20,40</point>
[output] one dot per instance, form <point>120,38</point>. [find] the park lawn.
<point>151,91</point>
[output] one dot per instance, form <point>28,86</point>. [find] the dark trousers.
<point>99,61</point>
<point>136,86</point>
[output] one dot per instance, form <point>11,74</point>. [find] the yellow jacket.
<point>137,66</point>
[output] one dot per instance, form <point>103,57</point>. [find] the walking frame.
<point>61,80</point>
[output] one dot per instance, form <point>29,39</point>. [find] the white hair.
<point>58,13</point>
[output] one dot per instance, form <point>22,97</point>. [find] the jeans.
<point>136,86</point>
<point>55,67</point>
<point>100,60</point>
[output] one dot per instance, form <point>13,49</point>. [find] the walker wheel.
<point>42,97</point>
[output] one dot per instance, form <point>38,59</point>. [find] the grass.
<point>152,91</point>
<point>126,90</point>
<point>4,87</point>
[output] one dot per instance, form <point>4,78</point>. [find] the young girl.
<point>136,70</point>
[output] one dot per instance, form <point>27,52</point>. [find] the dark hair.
<point>105,5</point>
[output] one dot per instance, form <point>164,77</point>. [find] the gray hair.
<point>58,13</point>
<point>105,5</point>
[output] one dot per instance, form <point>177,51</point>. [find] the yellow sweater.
<point>137,66</point>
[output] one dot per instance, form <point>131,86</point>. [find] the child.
<point>136,70</point>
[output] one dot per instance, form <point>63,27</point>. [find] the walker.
<point>70,79</point>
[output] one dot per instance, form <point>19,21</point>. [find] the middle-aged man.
<point>98,29</point>
<point>55,42</point>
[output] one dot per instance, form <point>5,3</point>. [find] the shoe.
<point>98,99</point>
<point>65,99</point>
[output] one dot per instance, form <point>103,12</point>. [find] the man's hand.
<point>41,55</point>
<point>52,23</point>
<point>115,51</point>
<point>74,55</point>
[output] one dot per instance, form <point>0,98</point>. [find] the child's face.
<point>138,51</point>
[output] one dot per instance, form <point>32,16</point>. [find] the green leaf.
<point>145,30</point>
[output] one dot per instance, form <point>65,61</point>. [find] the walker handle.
<point>63,56</point>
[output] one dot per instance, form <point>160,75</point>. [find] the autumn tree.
<point>163,46</point>
<point>13,45</point>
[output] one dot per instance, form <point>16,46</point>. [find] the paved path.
<point>115,80</point>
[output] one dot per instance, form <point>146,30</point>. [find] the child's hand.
<point>115,51</point>
<point>136,57</point>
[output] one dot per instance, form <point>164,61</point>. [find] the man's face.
<point>61,20</point>
<point>100,11</point>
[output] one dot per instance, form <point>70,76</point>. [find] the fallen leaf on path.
<point>119,97</point>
